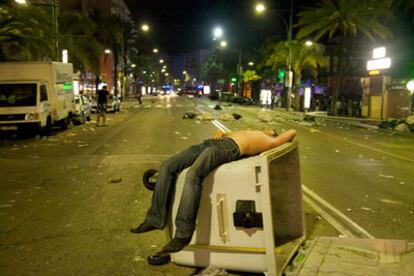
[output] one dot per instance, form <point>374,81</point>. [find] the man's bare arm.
<point>284,137</point>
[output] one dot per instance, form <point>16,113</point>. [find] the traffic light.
<point>280,75</point>
<point>233,79</point>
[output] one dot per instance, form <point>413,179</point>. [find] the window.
<point>43,93</point>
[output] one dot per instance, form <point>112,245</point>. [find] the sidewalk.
<point>322,116</point>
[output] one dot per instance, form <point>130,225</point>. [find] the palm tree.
<point>25,34</point>
<point>345,18</point>
<point>303,58</point>
<point>77,33</point>
<point>110,35</point>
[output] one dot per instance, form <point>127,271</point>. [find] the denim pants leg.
<point>216,154</point>
<point>167,175</point>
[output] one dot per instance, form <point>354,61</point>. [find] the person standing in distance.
<point>101,102</point>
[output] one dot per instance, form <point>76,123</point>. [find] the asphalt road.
<point>67,201</point>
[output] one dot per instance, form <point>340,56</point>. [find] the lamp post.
<point>55,15</point>
<point>260,8</point>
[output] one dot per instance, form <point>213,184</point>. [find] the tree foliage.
<point>26,33</point>
<point>302,58</point>
<point>344,18</point>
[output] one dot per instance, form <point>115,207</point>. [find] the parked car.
<point>113,105</point>
<point>82,109</point>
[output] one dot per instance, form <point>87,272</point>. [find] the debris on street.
<point>213,271</point>
<point>226,117</point>
<point>236,116</point>
<point>265,117</point>
<point>116,180</point>
<point>314,130</point>
<point>189,115</point>
<point>386,176</point>
<point>367,209</point>
<point>206,116</point>
<point>218,107</point>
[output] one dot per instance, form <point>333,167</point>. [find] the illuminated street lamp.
<point>145,27</point>
<point>155,50</point>
<point>107,51</point>
<point>217,32</point>
<point>133,65</point>
<point>251,63</point>
<point>410,86</point>
<point>223,44</point>
<point>184,72</point>
<point>260,8</point>
<point>308,43</point>
<point>161,61</point>
<point>21,2</point>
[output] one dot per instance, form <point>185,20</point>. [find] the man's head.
<point>104,87</point>
<point>270,132</point>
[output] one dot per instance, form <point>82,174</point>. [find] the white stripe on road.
<point>319,204</point>
<point>336,218</point>
<point>220,126</point>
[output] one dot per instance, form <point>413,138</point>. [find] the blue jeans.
<point>203,158</point>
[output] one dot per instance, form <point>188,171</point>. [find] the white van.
<point>35,96</point>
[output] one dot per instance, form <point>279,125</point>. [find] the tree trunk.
<point>339,76</point>
<point>297,78</point>
<point>116,62</point>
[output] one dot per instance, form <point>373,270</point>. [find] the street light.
<point>155,50</point>
<point>260,7</point>
<point>217,32</point>
<point>21,2</point>
<point>223,44</point>
<point>133,65</point>
<point>308,43</point>
<point>145,27</point>
<point>107,51</point>
<point>161,61</point>
<point>251,63</point>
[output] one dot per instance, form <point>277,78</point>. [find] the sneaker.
<point>176,244</point>
<point>142,228</point>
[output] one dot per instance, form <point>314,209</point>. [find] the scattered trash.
<point>138,259</point>
<point>313,130</point>
<point>236,116</point>
<point>153,246</point>
<point>6,205</point>
<point>226,117</point>
<point>342,236</point>
<point>309,118</point>
<point>367,209</point>
<point>318,217</point>
<point>189,115</point>
<point>349,209</point>
<point>206,116</point>
<point>218,107</point>
<point>337,151</point>
<point>213,271</point>
<point>116,180</point>
<point>197,122</point>
<point>264,117</point>
<point>305,124</point>
<point>402,127</point>
<point>386,176</point>
<point>184,138</point>
<point>390,201</point>
<point>402,182</point>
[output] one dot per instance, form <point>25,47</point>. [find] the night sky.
<point>182,26</point>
